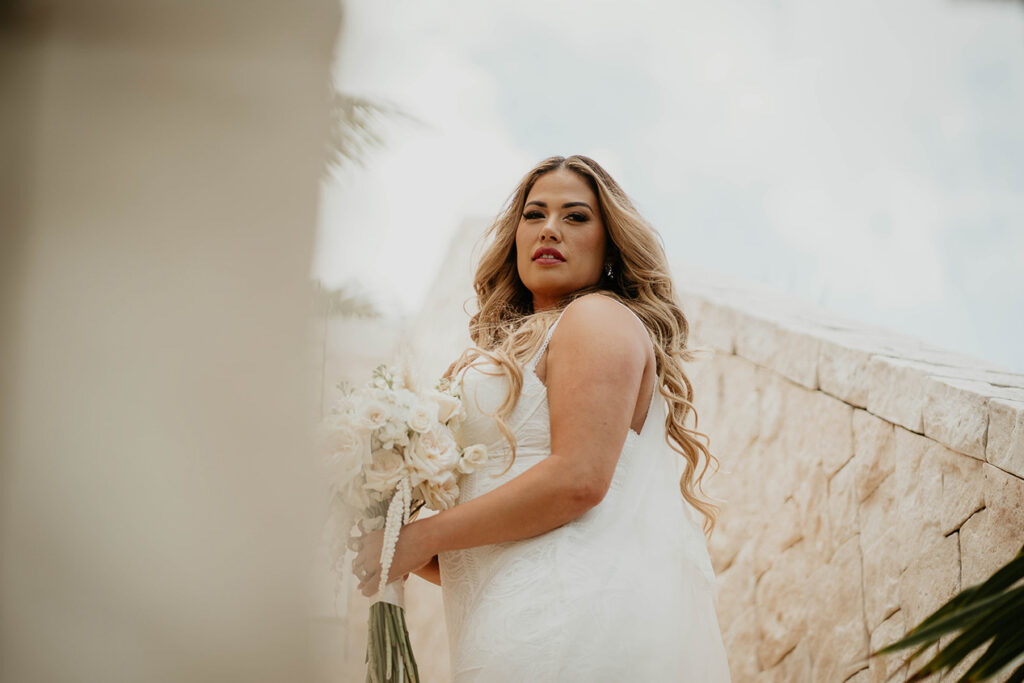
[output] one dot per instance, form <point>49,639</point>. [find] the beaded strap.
<point>547,340</point>
<point>551,331</point>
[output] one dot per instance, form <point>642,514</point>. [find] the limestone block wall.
<point>867,477</point>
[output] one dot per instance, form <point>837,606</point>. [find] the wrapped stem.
<point>389,656</point>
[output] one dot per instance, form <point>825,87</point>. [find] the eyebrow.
<point>564,206</point>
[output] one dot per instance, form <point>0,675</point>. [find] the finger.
<point>368,586</point>
<point>368,578</point>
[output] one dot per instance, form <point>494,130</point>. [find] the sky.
<point>867,156</point>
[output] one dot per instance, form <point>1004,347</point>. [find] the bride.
<point>573,553</point>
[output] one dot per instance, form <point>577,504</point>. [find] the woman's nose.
<point>550,229</point>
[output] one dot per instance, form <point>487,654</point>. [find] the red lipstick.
<point>548,251</point>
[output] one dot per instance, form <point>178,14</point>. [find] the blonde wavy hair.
<point>508,333</point>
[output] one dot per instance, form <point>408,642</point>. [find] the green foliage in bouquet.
<point>389,655</point>
<point>388,651</point>
<point>991,612</point>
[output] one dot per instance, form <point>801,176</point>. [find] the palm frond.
<point>988,613</point>
<point>356,124</point>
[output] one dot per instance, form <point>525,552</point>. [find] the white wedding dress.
<point>625,592</point>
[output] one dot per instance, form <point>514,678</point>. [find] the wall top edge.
<point>710,295</point>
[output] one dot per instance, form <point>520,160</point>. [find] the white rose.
<point>422,416</point>
<point>373,414</point>
<point>352,489</point>
<point>342,470</point>
<point>432,453</point>
<point>347,450</point>
<point>385,472</point>
<point>447,405</point>
<point>472,458</point>
<point>442,494</point>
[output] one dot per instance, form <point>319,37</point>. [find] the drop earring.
<point>609,273</point>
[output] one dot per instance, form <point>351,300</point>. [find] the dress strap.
<point>551,330</point>
<point>547,340</point>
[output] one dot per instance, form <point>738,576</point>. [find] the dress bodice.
<point>483,393</point>
<point>484,389</point>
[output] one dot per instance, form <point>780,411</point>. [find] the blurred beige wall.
<point>159,189</point>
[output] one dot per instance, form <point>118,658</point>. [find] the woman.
<point>572,554</point>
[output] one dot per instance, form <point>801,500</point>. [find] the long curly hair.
<point>507,333</point>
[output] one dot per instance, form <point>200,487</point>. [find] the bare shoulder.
<point>599,358</point>
<point>598,318</point>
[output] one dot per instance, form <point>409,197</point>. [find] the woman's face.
<point>560,241</point>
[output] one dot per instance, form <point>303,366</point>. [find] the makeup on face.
<point>560,240</point>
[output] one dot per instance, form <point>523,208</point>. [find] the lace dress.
<point>625,592</point>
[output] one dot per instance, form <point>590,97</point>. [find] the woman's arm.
<point>431,571</point>
<point>595,367</point>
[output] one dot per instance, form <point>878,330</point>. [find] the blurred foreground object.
<point>157,384</point>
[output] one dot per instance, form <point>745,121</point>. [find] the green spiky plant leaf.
<point>991,613</point>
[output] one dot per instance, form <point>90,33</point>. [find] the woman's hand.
<point>411,554</point>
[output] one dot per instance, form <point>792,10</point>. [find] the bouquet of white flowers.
<point>390,451</point>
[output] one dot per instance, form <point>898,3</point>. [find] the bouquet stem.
<point>388,650</point>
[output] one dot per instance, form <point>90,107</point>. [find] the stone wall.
<point>867,477</point>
